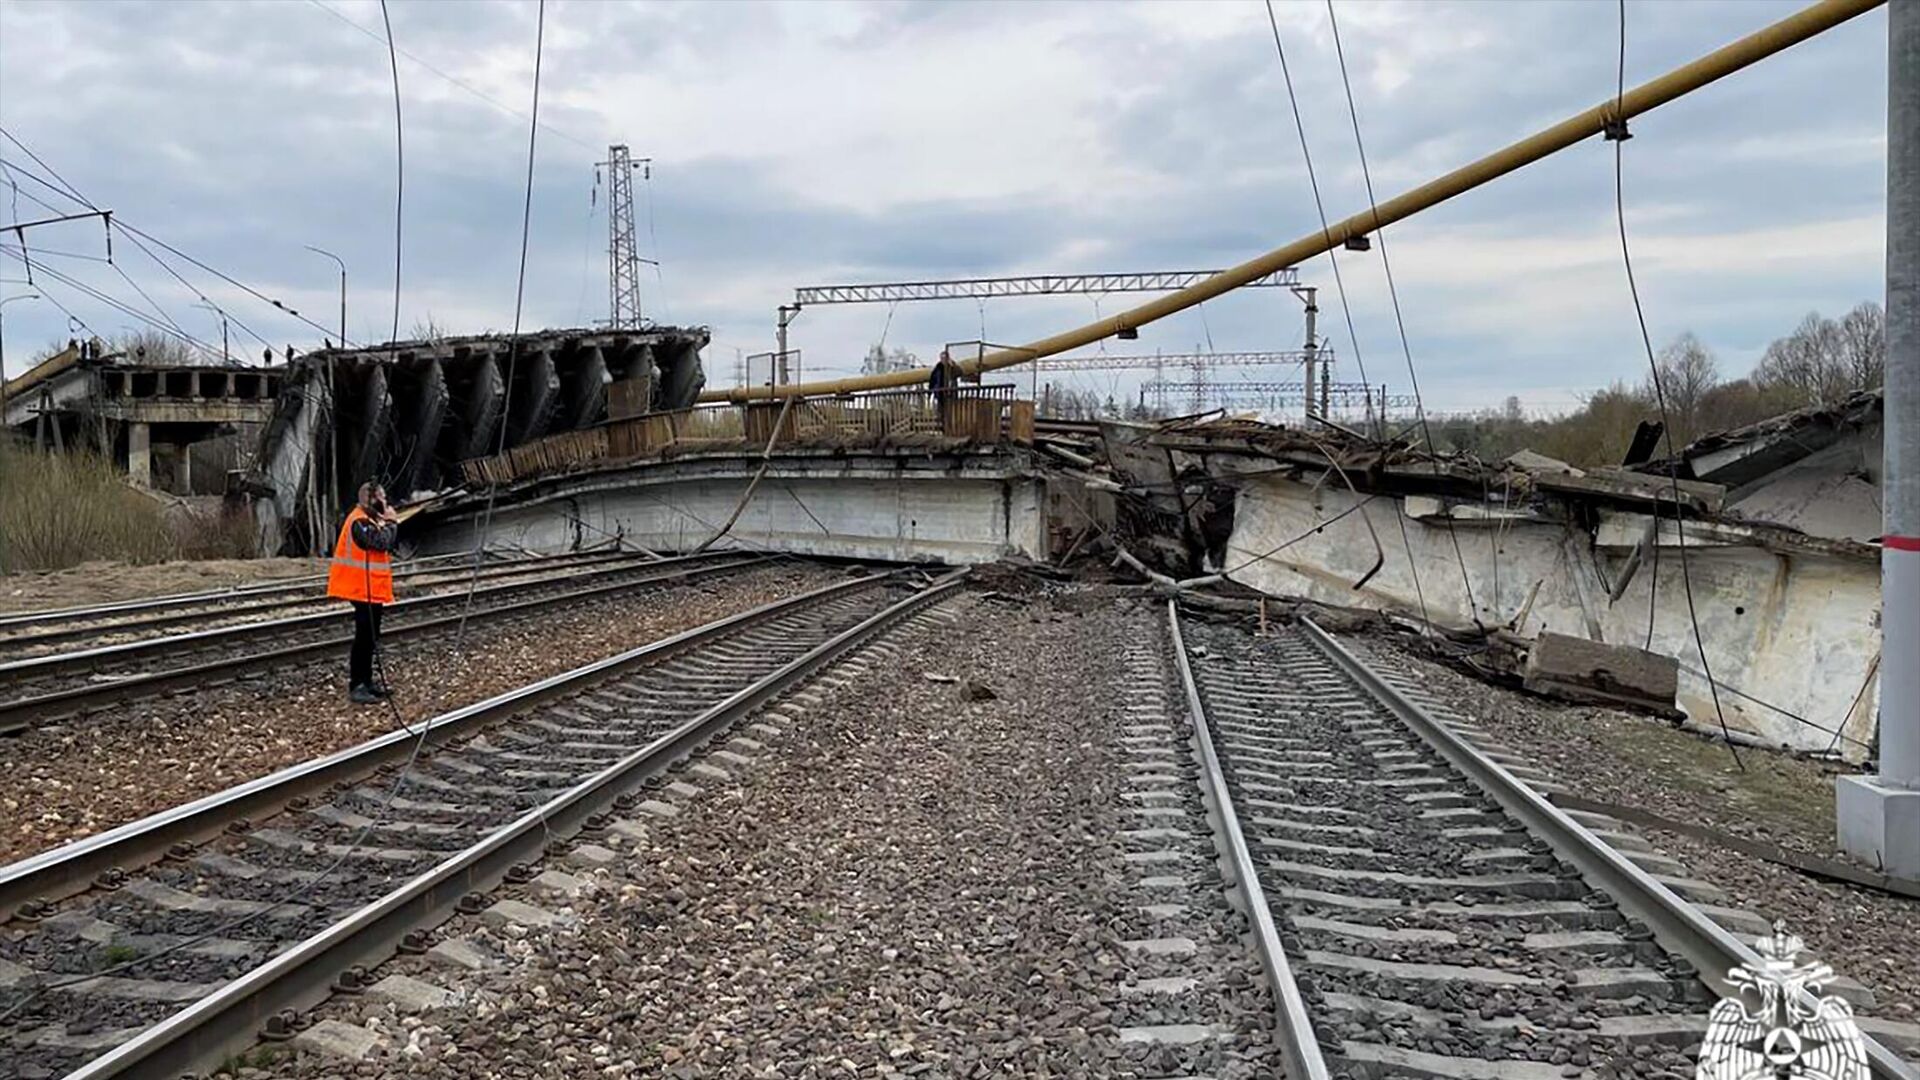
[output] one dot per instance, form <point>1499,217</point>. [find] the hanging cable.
<point>1346,309</point>
<point>1618,134</point>
<point>519,297</point>
<point>653,237</point>
<point>469,88</point>
<point>1400,322</point>
<point>1320,207</point>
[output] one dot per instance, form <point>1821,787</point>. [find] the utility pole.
<point>623,252</point>
<point>788,312</point>
<point>1312,347</point>
<point>1879,816</point>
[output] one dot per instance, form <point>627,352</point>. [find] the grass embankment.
<point>59,510</point>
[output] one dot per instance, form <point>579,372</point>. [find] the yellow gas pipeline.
<point>1718,64</point>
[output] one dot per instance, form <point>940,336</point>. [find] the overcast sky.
<point>814,143</point>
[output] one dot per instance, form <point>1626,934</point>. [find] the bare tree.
<point>1809,361</point>
<point>154,347</point>
<point>1687,372</point>
<point>1863,346</point>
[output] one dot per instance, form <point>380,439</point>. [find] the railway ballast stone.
<point>333,1039</point>
<point>904,885</point>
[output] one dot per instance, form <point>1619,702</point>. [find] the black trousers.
<point>366,638</point>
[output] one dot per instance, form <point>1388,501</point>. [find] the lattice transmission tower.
<point>623,251</point>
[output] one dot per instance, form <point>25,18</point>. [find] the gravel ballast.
<point>914,867</point>
<point>1636,761</point>
<point>82,776</point>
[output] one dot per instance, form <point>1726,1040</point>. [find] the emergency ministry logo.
<point>1788,1035</point>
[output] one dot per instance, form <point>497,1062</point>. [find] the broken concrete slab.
<point>1575,669</point>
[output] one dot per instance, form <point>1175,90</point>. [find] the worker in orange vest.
<point>362,573</point>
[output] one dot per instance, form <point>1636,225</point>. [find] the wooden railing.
<point>963,415</point>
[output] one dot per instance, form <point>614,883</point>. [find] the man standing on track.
<point>362,573</point>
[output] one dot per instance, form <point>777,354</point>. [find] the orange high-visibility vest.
<point>359,574</point>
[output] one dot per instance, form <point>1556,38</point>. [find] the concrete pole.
<point>779,373</point>
<point>1312,347</point>
<point>1879,816</point>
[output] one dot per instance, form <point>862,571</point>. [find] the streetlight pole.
<point>226,358</point>
<point>343,288</point>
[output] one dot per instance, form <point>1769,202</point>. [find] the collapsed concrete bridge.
<point>407,413</point>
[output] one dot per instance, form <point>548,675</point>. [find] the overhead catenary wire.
<point>1399,320</point>
<point>1619,135</point>
<point>98,296</point>
<point>308,887</point>
<point>66,189</point>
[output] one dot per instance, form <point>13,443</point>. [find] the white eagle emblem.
<point>1787,1036</point>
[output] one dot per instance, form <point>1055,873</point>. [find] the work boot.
<point>381,691</point>
<point>363,695</point>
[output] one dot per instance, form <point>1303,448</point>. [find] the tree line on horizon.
<point>1820,363</point>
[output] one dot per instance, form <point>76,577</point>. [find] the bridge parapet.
<point>962,416</point>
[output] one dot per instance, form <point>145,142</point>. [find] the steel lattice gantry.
<point>1028,285</point>
<point>1284,394</point>
<point>1177,360</point>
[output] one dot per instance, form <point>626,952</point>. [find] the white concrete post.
<point>1879,816</point>
<point>140,455</point>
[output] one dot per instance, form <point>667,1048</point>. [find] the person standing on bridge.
<point>362,573</point>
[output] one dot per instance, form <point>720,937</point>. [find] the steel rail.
<point>307,594</point>
<point>208,596</point>
<point>1676,924</point>
<point>18,714</point>
<point>227,1021</point>
<point>71,868</point>
<point>1795,28</point>
<point>1299,1045</point>
<point>54,663</point>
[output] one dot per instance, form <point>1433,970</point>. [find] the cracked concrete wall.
<point>805,508</point>
<point>1833,492</point>
<point>1785,633</point>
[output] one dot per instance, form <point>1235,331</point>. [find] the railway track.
<point>1419,909</point>
<point>180,934</point>
<point>34,633</point>
<point>40,688</point>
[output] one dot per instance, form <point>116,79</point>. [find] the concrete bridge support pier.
<point>1879,816</point>
<point>140,455</point>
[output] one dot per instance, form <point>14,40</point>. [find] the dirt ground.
<point>106,582</point>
